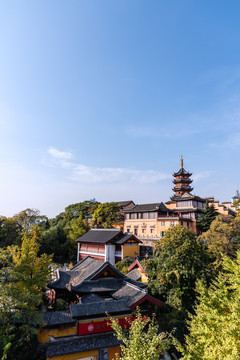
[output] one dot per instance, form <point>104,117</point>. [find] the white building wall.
<point>110,254</point>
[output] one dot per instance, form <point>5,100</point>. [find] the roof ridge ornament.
<point>181,162</point>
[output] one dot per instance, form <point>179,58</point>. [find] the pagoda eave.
<point>187,181</point>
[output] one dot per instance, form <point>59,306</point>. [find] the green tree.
<point>24,276</point>
<point>143,340</point>
<point>58,234</point>
<point>208,215</point>
<point>10,232</point>
<point>223,238</point>
<point>124,264</point>
<point>237,204</point>
<point>77,228</point>
<point>214,329</point>
<point>106,214</point>
<point>28,218</point>
<point>83,209</point>
<point>179,261</point>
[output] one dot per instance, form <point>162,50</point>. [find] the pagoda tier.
<point>186,181</point>
<point>182,181</point>
<point>183,189</point>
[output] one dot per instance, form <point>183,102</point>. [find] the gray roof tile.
<point>75,344</point>
<point>101,236</point>
<point>99,308</point>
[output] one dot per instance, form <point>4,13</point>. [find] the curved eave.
<point>177,181</point>
<point>182,172</point>
<point>183,188</point>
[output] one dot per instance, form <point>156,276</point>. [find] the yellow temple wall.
<point>130,250</point>
<point>43,335</point>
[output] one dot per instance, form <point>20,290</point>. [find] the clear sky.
<point>99,99</point>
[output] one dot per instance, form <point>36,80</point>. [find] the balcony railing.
<point>147,237</point>
<point>118,253</point>
<point>93,251</point>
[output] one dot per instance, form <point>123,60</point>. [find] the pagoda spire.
<point>181,162</point>
<point>182,181</point>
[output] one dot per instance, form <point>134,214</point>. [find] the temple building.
<point>150,221</point>
<point>107,245</point>
<point>94,291</point>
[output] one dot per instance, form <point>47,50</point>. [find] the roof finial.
<point>181,162</point>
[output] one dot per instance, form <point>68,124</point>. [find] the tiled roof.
<point>88,261</point>
<point>125,237</point>
<point>148,207</point>
<point>118,306</point>
<point>122,204</point>
<point>100,285</point>
<point>76,344</point>
<point>130,293</point>
<point>78,280</point>
<point>182,171</point>
<point>101,236</point>
<point>57,317</point>
<point>91,297</point>
<point>134,274</point>
<point>186,197</point>
<point>77,274</point>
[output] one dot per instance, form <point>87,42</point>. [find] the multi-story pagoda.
<point>182,181</point>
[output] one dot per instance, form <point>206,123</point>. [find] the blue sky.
<point>99,99</point>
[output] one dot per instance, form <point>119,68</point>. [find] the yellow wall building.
<point>149,222</point>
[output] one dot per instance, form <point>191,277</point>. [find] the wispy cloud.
<point>87,174</point>
<point>59,154</point>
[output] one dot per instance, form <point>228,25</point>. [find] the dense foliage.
<point>124,264</point>
<point>215,327</point>
<point>208,215</point>
<point>179,261</point>
<point>24,275</point>
<point>107,214</point>
<point>58,235</point>
<point>222,238</point>
<point>142,341</point>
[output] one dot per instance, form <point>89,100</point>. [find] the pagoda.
<point>182,181</point>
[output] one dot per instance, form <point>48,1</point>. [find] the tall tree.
<point>214,329</point>
<point>28,218</point>
<point>179,261</point>
<point>10,232</point>
<point>106,214</point>
<point>223,237</point>
<point>208,215</point>
<point>143,340</point>
<point>24,276</point>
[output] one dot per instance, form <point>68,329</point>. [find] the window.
<point>103,354</point>
<point>143,231</point>
<point>172,223</point>
<point>163,223</point>
<point>127,216</point>
<point>181,223</point>
<point>161,234</point>
<point>134,216</point>
<point>135,231</point>
<point>145,215</point>
<point>153,215</point>
<point>184,203</point>
<point>128,229</point>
